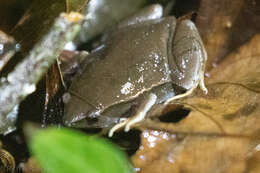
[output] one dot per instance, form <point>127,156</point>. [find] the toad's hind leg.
<point>140,115</point>
<point>187,59</point>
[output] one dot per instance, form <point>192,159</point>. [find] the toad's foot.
<point>140,115</point>
<point>190,91</point>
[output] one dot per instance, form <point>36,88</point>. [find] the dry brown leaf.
<point>202,146</point>
<point>10,12</point>
<point>32,166</point>
<point>225,25</point>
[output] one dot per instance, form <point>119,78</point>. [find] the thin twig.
<point>22,81</point>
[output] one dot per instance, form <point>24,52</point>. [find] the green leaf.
<point>63,150</point>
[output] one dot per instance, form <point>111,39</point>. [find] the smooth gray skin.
<point>152,56</point>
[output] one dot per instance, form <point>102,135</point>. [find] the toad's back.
<point>136,63</point>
